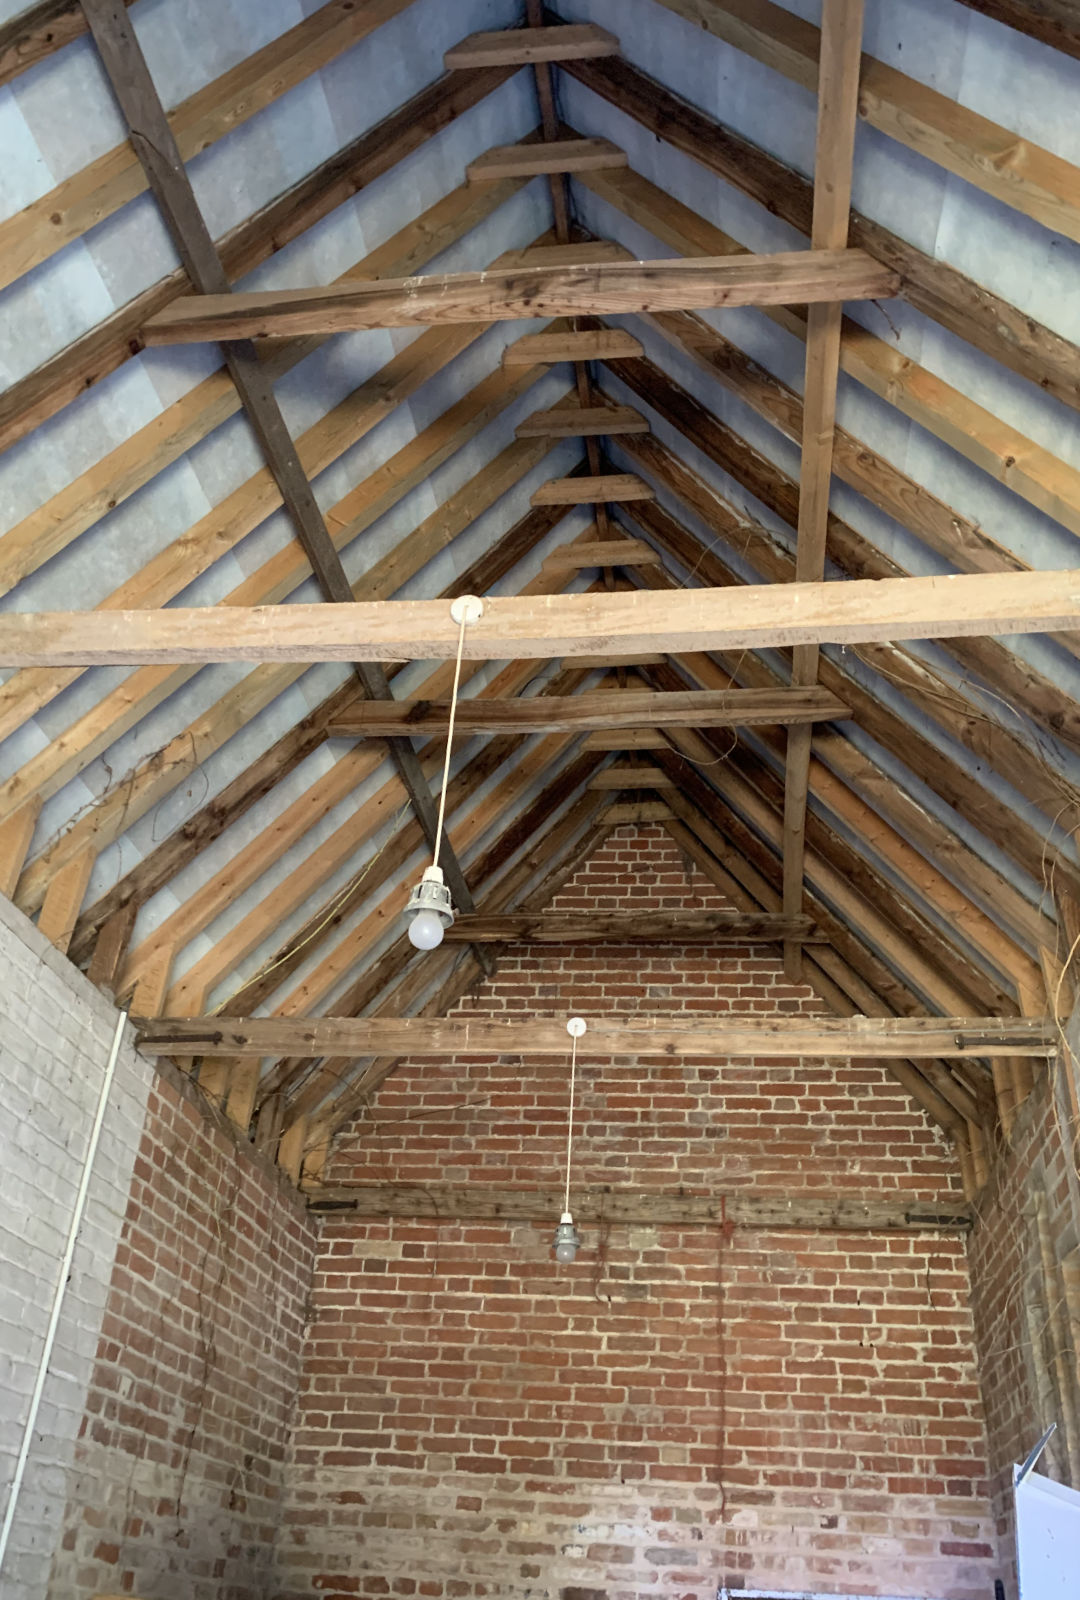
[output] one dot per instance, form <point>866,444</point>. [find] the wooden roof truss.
<point>899,821</point>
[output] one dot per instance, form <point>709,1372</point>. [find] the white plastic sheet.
<point>1047,1539</point>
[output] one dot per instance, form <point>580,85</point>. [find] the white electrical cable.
<point>570,1126</point>
<point>450,736</point>
<point>61,1289</point>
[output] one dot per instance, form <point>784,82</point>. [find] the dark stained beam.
<point>762,1034</point>
<point>598,710</point>
<point>619,927</point>
<point>870,1213</point>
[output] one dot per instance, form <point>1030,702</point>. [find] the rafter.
<point>113,479</point>
<point>115,178</point>
<point>966,308</point>
<point>47,771</point>
<point>838,93</point>
<point>159,155</point>
<point>1034,181</point>
<point>105,347</point>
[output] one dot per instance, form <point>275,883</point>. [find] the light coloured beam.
<point>799,277</point>
<point>567,625</point>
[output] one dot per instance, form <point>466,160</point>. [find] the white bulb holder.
<point>567,1240</point>
<point>467,608</point>
<point>576,1027</point>
<point>430,910</point>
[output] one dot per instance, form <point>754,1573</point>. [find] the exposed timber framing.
<point>1052,22</point>
<point>838,93</point>
<point>539,160</point>
<point>634,927</point>
<point>514,47</point>
<point>999,329</point>
<point>153,140</point>
<point>113,179</point>
<point>1033,181</point>
<point>586,345</point>
<point>762,1035</point>
<point>568,625</point>
<point>599,709</point>
<point>105,347</point>
<point>644,1207</point>
<point>789,278</point>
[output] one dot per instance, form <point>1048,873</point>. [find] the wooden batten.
<point>16,832</point>
<point>580,422</point>
<point>520,47</point>
<point>610,488</point>
<point>538,160</point>
<point>601,344</point>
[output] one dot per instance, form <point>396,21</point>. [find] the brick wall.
<point>680,1407</point>
<point>56,1032</point>
<point>177,1475</point>
<point>1025,1259</point>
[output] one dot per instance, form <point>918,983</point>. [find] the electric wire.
<point>570,1123</point>
<point>450,736</point>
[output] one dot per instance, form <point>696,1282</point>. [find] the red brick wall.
<point>1025,1261</point>
<point>178,1471</point>
<point>681,1407</point>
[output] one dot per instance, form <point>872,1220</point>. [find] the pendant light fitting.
<point>567,1240</point>
<point>430,910</point>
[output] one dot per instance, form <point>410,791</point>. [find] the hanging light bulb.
<point>430,910</point>
<point>567,1240</point>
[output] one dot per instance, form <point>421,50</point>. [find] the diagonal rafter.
<point>838,94</point>
<point>157,150</point>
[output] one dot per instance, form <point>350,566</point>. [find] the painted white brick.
<point>55,1035</point>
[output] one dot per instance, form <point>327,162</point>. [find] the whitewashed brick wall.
<point>55,1034</point>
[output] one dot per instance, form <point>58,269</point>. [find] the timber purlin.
<point>607,1204</point>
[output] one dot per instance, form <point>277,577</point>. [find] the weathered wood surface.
<point>619,927</point>
<point>107,345</point>
<point>518,47</point>
<point>595,709</point>
<point>1052,22</point>
<point>109,182</point>
<point>1014,170</point>
<point>567,625</point>
<point>476,1203</point>
<point>580,422</point>
<point>790,278</point>
<point>603,553</point>
<point>601,344</point>
<point>538,160</point>
<point>167,176</point>
<point>968,309</point>
<point>34,34</point>
<point>606,488</point>
<point>763,1034</point>
<point>838,90</point>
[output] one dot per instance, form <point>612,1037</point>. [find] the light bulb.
<point>567,1239</point>
<point>426,930</point>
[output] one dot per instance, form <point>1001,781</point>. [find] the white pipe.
<point>724,1593</point>
<point>61,1288</point>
